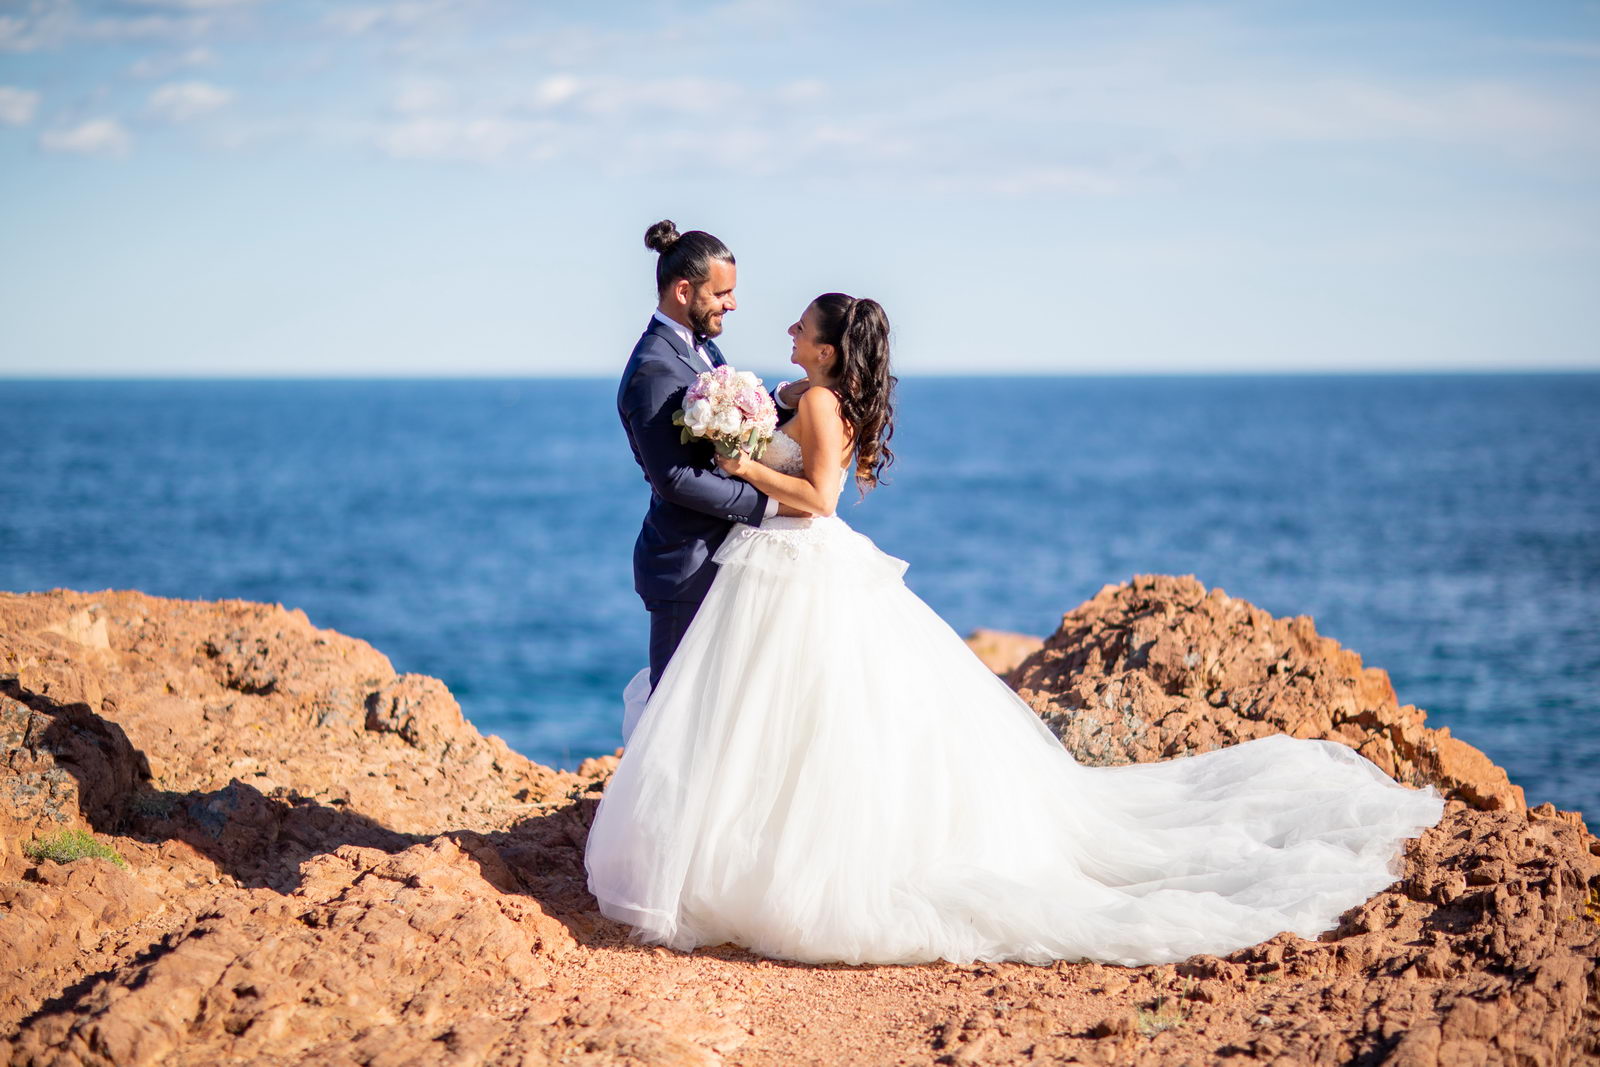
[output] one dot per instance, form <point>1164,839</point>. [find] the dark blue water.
<point>1447,528</point>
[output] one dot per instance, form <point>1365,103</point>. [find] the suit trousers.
<point>669,621</point>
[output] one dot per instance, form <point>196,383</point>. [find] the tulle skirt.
<point>827,773</point>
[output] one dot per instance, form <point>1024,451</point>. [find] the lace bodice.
<point>783,454</point>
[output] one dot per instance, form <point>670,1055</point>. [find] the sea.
<point>1446,527</point>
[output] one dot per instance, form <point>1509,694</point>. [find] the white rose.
<point>697,416</point>
<point>726,423</point>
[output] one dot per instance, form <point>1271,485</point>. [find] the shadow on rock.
<point>86,765</point>
<point>260,841</point>
<point>80,760</point>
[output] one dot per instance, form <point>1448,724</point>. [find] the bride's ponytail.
<point>859,331</point>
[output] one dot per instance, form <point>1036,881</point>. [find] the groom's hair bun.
<point>683,255</point>
<point>662,236</point>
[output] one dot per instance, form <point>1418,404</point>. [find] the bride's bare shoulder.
<point>820,400</point>
<point>820,413</point>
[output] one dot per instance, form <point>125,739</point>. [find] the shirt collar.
<point>684,333</point>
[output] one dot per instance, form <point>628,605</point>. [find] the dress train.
<point>827,773</point>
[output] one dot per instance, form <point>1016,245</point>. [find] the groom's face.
<point>713,298</point>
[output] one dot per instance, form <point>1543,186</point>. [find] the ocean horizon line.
<point>1020,375</point>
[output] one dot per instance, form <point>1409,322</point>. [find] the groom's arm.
<point>648,404</point>
<point>787,406</point>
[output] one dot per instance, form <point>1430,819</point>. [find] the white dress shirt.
<point>687,336</point>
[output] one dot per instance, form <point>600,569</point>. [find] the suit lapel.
<point>690,360</point>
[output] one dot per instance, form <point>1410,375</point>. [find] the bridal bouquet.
<point>729,408</point>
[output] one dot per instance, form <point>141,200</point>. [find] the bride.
<point>826,773</point>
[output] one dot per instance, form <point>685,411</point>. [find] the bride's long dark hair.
<point>858,330</point>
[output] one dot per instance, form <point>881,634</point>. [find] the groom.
<point>693,504</point>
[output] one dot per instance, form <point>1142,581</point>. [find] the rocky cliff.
<point>319,861</point>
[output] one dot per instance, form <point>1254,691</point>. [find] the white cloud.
<point>687,95</point>
<point>761,14</point>
<point>20,33</point>
<point>355,20</point>
<point>17,106</point>
<point>423,96</point>
<point>194,5</point>
<point>11,29</point>
<point>183,101</point>
<point>1065,113</point>
<point>376,17</point>
<point>1349,110</point>
<point>1204,108</point>
<point>805,91</point>
<point>556,89</point>
<point>95,137</point>
<point>160,66</point>
<point>482,139</point>
<point>178,27</point>
<point>48,25</point>
<point>1029,181</point>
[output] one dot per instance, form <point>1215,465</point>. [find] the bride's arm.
<point>822,443</point>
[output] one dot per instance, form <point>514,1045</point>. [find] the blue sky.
<point>443,187</point>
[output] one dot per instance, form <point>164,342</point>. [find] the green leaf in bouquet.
<point>677,417</point>
<point>684,436</point>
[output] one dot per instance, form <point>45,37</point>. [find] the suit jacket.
<point>693,504</point>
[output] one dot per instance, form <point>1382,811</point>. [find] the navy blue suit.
<point>693,504</point>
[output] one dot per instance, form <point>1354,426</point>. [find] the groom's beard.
<point>707,322</point>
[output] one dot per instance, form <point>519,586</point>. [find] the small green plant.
<point>64,846</point>
<point>153,804</point>
<point>1161,1015</point>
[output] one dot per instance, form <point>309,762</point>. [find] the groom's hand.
<point>791,393</point>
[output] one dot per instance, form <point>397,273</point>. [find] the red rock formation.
<point>1159,667</point>
<point>323,855</point>
<point>326,863</point>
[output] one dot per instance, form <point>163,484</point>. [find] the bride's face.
<point>815,359</point>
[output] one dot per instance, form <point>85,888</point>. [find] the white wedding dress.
<point>827,773</point>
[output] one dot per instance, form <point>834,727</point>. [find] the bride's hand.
<point>737,465</point>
